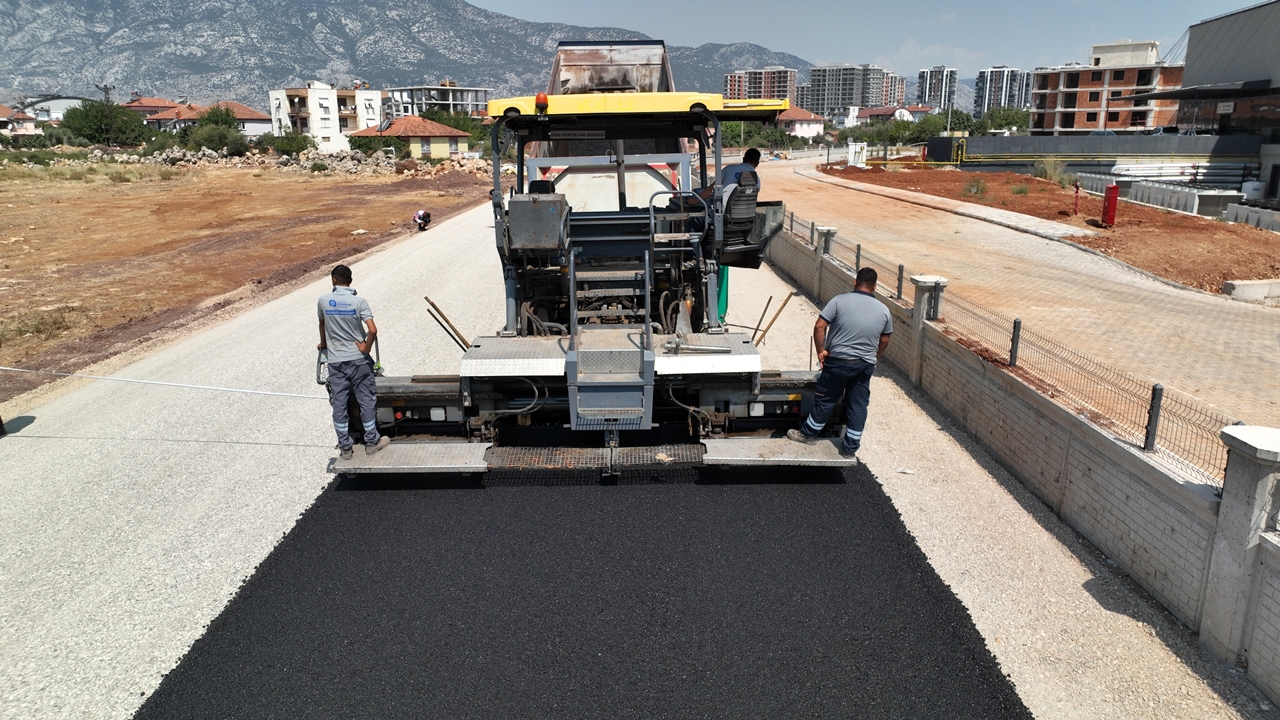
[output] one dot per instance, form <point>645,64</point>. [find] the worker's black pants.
<point>852,379</point>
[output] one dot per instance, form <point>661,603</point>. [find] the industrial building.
<point>1077,99</point>
<point>1001,86</point>
<point>832,89</point>
<point>775,82</point>
<point>937,86</point>
<point>326,113</point>
<point>1231,83</point>
<point>446,97</point>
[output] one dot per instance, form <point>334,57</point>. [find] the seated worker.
<point>423,218</point>
<point>728,176</point>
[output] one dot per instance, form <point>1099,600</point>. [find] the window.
<point>1073,80</point>
<point>324,106</point>
<point>1117,74</point>
<point>1139,103</point>
<point>325,139</point>
<point>1038,122</point>
<point>424,147</point>
<point>1097,62</point>
<point>1068,100</point>
<point>1095,76</point>
<point>324,123</point>
<point>1137,118</point>
<point>1116,93</point>
<point>1113,117</point>
<point>1093,96</point>
<point>1091,117</point>
<point>1144,77</point>
<point>1042,82</point>
<point>453,144</point>
<point>1068,120</point>
<point>1040,102</point>
<point>343,124</point>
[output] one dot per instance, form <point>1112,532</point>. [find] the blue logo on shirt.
<point>333,303</point>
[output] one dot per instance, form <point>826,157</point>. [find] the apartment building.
<point>774,81</point>
<point>735,85</point>
<point>832,89</point>
<point>802,95</point>
<point>937,86</point>
<point>1001,86</point>
<point>446,97</point>
<point>326,113</point>
<point>1078,98</point>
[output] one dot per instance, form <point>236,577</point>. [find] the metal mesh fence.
<point>1187,430</point>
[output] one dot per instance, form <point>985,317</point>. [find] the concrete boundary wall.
<point>1157,525</point>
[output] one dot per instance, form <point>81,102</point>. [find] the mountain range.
<point>209,50</point>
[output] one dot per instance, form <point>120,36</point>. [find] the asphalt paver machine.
<point>614,353</point>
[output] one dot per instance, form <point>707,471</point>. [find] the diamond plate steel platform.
<point>515,357</point>
<point>741,358</point>
<point>417,457</point>
<point>774,451</point>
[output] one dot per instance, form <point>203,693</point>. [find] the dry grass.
<point>43,324</point>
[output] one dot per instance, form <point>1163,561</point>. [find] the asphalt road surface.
<point>756,593</point>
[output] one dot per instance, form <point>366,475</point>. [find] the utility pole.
<point>106,92</point>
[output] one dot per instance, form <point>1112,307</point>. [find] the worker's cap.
<point>341,273</point>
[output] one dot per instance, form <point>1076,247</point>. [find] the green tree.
<point>220,116</point>
<point>217,137</point>
<point>290,143</point>
<point>370,145</point>
<point>1003,118</point>
<point>105,123</point>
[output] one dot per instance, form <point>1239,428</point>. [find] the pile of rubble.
<point>349,162</point>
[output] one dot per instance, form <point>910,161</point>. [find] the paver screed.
<point>1225,352</point>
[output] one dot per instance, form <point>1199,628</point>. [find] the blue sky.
<point>902,35</point>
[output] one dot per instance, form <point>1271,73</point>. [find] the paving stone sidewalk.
<point>1224,352</point>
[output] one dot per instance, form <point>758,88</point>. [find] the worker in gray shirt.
<point>347,333</point>
<point>850,335</point>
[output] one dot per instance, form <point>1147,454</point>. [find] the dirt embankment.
<point>1196,251</point>
<point>92,266</point>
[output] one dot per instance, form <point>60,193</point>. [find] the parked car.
<point>1194,133</point>
<point>1166,130</point>
<point>1101,132</point>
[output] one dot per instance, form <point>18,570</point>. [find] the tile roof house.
<point>175,118</point>
<point>16,122</point>
<point>426,138</point>
<point>147,106</point>
<point>252,123</point>
<point>800,122</point>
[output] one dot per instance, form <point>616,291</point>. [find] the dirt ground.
<point>89,266</point>
<point>1191,250</point>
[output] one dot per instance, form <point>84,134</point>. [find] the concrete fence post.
<point>928,287</point>
<point>1248,498</point>
<point>826,235</point>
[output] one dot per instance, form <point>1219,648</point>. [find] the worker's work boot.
<point>382,442</point>
<point>346,453</point>
<point>800,436</point>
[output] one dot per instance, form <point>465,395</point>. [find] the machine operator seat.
<point>740,249</point>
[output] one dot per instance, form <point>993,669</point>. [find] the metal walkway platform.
<point>462,457</point>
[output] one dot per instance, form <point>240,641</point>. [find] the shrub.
<point>217,137</point>
<point>63,136</point>
<point>118,176</point>
<point>1020,190</point>
<point>161,142</point>
<point>167,173</point>
<point>371,145</point>
<point>976,186</point>
<point>318,167</point>
<point>220,116</point>
<point>404,166</point>
<point>291,143</point>
<point>1053,170</point>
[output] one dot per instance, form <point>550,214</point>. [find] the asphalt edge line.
<point>920,200</point>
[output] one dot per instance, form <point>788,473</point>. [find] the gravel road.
<point>130,515</point>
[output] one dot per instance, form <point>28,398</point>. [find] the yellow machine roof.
<point>653,103</point>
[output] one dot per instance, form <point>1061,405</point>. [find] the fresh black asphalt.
<point>779,593</point>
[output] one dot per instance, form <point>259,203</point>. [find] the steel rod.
<point>1013,343</point>
<point>1153,417</point>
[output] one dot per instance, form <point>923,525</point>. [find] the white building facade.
<point>325,113</point>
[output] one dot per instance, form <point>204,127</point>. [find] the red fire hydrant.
<point>1109,202</point>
